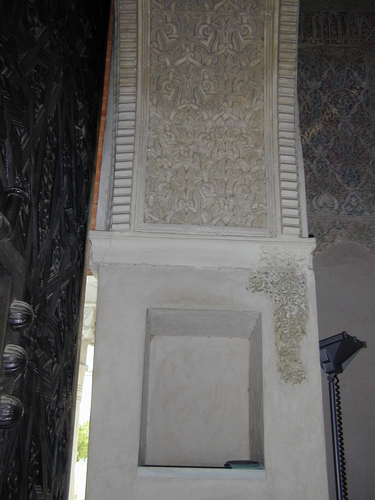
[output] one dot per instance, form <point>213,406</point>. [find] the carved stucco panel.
<point>337,116</point>
<point>284,280</point>
<point>205,161</point>
<point>206,135</point>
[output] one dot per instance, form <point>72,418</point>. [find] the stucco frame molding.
<point>292,182</point>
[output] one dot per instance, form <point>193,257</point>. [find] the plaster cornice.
<point>186,251</point>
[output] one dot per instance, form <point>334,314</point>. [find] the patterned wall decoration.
<point>283,278</point>
<point>336,90</point>
<point>205,162</point>
<point>50,85</point>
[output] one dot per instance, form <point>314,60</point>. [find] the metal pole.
<point>336,456</point>
<point>337,438</point>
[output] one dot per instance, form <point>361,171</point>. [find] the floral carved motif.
<point>205,163</point>
<point>337,132</point>
<point>336,83</point>
<point>287,288</point>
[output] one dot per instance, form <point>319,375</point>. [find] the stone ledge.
<point>200,473</point>
<point>197,251</point>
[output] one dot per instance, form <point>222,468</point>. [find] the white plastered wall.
<point>294,453</point>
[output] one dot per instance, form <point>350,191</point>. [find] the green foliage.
<point>83,441</point>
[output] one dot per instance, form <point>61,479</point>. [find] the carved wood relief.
<point>205,163</point>
<point>50,94</point>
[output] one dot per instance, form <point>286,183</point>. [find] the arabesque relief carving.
<point>336,87</point>
<point>205,162</point>
<point>284,280</point>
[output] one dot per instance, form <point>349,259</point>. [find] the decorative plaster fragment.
<point>281,258</point>
<point>285,282</point>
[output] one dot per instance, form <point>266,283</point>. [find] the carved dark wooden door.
<point>51,67</point>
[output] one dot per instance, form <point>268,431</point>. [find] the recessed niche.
<point>202,388</point>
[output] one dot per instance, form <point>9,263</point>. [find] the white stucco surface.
<point>294,455</point>
<point>198,401</point>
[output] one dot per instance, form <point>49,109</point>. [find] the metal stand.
<point>336,353</point>
<point>337,438</point>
